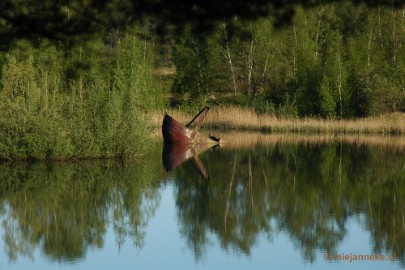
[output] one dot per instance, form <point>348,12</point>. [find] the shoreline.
<point>237,139</point>
<point>243,139</point>
<point>244,119</point>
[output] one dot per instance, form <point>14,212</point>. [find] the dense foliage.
<point>338,60</point>
<point>82,101</point>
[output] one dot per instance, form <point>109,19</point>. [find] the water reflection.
<point>65,209</point>
<point>307,190</point>
<point>174,155</point>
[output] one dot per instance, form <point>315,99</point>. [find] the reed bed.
<point>235,118</point>
<point>245,139</point>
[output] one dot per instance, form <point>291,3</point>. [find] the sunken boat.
<point>178,134</point>
<point>182,143</point>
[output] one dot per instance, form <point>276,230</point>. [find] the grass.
<point>246,139</point>
<point>235,118</point>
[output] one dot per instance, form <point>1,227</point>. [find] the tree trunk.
<point>200,75</point>
<point>394,35</point>
<point>228,52</point>
<point>294,56</point>
<point>340,81</point>
<point>80,78</point>
<point>369,49</point>
<point>379,28</point>
<point>318,32</point>
<point>250,66</point>
<point>265,65</point>
<point>46,90</point>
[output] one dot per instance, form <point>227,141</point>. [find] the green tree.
<point>82,101</point>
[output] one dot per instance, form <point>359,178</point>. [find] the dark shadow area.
<point>66,19</point>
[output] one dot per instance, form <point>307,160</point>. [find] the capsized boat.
<point>182,143</point>
<point>176,133</point>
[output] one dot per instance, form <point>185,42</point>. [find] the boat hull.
<point>181,143</point>
<point>174,132</point>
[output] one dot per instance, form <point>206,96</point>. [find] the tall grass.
<point>235,118</point>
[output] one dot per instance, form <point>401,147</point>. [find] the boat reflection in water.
<point>182,143</point>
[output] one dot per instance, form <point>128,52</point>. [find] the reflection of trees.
<point>305,190</point>
<point>229,205</point>
<point>308,191</point>
<point>66,208</point>
<point>384,205</point>
<point>386,219</point>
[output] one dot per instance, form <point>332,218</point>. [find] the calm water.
<point>275,204</point>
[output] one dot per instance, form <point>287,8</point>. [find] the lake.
<point>270,202</point>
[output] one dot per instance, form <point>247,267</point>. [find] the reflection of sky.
<point>165,249</point>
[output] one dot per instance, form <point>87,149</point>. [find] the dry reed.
<point>247,119</point>
<point>237,139</point>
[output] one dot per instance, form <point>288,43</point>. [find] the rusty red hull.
<point>174,132</point>
<point>176,154</point>
<point>182,143</point>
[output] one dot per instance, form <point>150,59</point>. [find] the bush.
<point>263,106</point>
<point>88,105</point>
